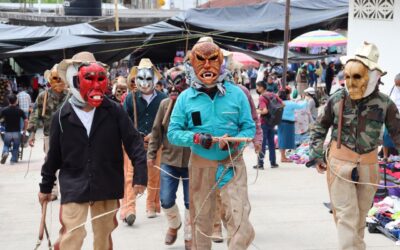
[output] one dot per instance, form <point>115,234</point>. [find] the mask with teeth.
<point>145,80</point>
<point>92,80</point>
<point>56,83</point>
<point>206,59</point>
<point>176,82</point>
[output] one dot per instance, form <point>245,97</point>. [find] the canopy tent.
<point>156,28</point>
<point>242,25</point>
<point>4,47</point>
<point>58,42</point>
<point>264,17</point>
<point>275,54</point>
<point>14,32</point>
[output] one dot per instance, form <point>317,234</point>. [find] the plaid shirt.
<point>24,101</point>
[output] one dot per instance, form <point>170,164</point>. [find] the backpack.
<point>275,109</point>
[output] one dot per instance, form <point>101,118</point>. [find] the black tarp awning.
<point>14,32</point>
<point>275,54</point>
<point>58,42</point>
<point>264,17</point>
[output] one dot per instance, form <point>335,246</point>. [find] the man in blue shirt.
<point>213,107</point>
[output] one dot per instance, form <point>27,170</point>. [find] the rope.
<point>360,183</point>
<point>171,175</point>
<point>104,214</point>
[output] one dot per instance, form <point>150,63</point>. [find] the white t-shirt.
<point>150,97</point>
<point>85,117</point>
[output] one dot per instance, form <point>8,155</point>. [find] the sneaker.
<point>258,167</point>
<point>274,165</point>
<point>130,219</point>
<point>4,158</point>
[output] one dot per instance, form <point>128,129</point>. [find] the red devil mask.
<point>92,83</point>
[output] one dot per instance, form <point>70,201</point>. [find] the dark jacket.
<point>145,113</point>
<point>171,154</point>
<point>91,168</point>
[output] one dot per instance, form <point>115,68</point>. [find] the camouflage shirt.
<point>362,123</point>
<point>54,101</point>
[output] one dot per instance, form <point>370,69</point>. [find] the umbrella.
<point>319,38</point>
<point>245,60</point>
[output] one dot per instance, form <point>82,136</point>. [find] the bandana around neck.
<point>198,85</point>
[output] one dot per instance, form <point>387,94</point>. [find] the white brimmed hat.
<point>367,54</point>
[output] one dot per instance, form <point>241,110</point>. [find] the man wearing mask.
<point>174,161</point>
<point>356,115</point>
<point>142,107</point>
<point>214,107</point>
<point>47,103</point>
<point>86,139</point>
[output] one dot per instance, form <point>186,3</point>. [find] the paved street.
<point>287,211</point>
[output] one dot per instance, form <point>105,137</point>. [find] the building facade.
<point>377,21</point>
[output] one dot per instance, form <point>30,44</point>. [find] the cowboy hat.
<point>367,54</point>
<point>145,63</point>
<point>77,59</point>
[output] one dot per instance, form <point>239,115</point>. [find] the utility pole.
<point>286,43</point>
<point>116,15</point>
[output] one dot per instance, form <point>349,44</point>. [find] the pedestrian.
<point>174,161</point>
<point>86,139</point>
<point>271,85</point>
<point>147,101</point>
<point>47,103</point>
<point>329,76</point>
<point>352,159</point>
<point>268,131</point>
<point>286,129</point>
<point>395,96</point>
<point>213,107</point>
<point>12,116</point>
<point>311,74</point>
<point>24,102</point>
<point>245,79</point>
<point>252,73</point>
<point>302,79</point>
<point>312,103</point>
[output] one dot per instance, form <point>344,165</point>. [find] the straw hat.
<point>145,63</point>
<point>367,54</point>
<point>77,59</point>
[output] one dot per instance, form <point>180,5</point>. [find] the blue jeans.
<point>169,185</point>
<point>268,138</point>
<point>14,138</point>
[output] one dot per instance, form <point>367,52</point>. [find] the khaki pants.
<point>74,214</point>
<point>351,202</point>
<point>129,200</point>
<point>219,212</point>
<point>46,146</point>
<point>234,204</point>
<point>153,186</point>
